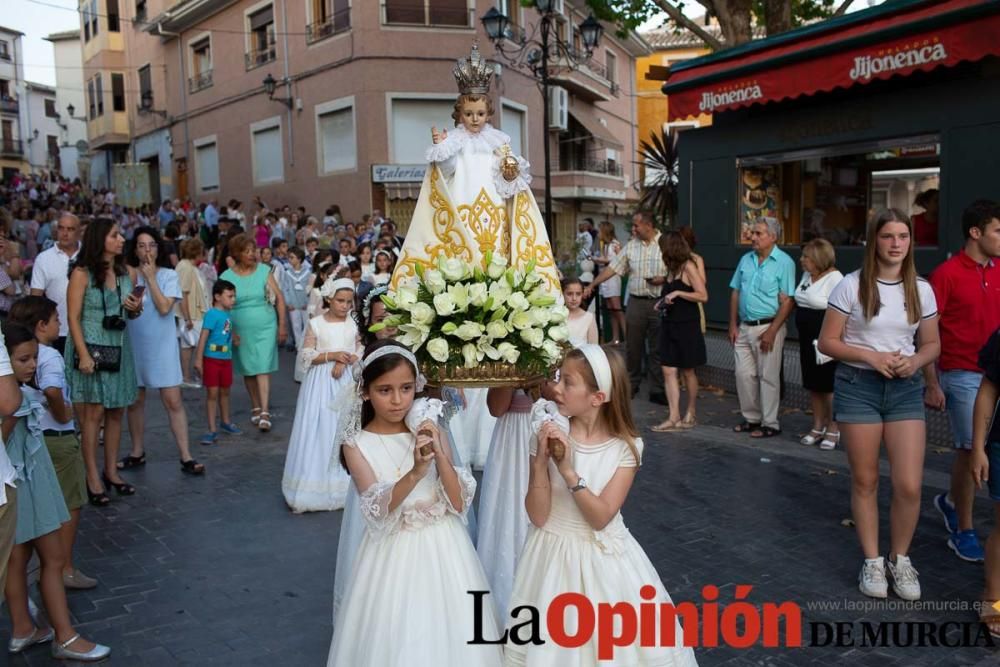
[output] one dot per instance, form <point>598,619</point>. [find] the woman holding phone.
<point>100,369</point>
<point>155,349</point>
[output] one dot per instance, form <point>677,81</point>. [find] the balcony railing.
<point>592,165</point>
<point>417,13</point>
<point>262,56</point>
<point>329,26</point>
<point>9,104</point>
<point>200,81</point>
<point>11,148</point>
<point>616,89</point>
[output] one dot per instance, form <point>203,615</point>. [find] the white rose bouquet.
<point>488,325</point>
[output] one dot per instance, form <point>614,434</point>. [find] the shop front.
<point>895,106</point>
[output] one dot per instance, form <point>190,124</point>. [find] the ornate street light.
<point>533,54</point>
<point>146,105</point>
<point>270,85</point>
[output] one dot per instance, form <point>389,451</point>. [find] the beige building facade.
<point>357,86</point>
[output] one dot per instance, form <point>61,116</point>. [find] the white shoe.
<point>813,436</point>
<point>904,578</point>
<point>872,580</point>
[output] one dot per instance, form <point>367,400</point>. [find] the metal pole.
<point>545,128</point>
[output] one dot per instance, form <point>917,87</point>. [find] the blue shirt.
<point>166,217</point>
<point>220,334</point>
<point>760,283</point>
<point>211,216</point>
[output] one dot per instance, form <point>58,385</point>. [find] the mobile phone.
<point>138,291</point>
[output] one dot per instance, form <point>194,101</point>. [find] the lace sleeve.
<point>375,509</point>
<point>522,182</point>
<point>308,352</point>
<point>468,484</point>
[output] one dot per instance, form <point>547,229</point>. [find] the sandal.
<point>688,422</point>
<point>254,416</point>
<point>830,441</point>
<point>667,426</point>
<point>98,499</point>
<point>765,432</point>
<point>746,427</point>
<point>810,439</point>
<point>990,617</point>
<point>264,424</point>
<point>132,461</point>
<point>192,467</point>
<point>122,489</point>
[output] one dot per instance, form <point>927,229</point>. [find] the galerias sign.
<point>865,67</point>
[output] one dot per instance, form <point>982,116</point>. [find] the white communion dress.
<point>568,555</point>
<point>407,602</point>
<point>314,480</point>
<point>503,521</point>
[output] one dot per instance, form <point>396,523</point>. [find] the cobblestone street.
<point>216,571</point>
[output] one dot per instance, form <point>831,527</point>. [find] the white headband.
<point>401,351</point>
<point>331,287</point>
<point>598,360</point>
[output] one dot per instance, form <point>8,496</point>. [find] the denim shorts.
<point>960,389</point>
<point>993,485</point>
<point>864,396</point>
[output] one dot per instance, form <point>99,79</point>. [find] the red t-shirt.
<point>968,299</point>
<point>925,232</point>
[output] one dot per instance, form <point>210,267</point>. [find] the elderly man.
<point>762,299</point>
<point>642,260</point>
<point>50,275</point>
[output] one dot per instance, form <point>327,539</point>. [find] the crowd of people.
<point>101,303</point>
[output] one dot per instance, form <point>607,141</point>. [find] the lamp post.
<point>270,84</point>
<point>533,53</point>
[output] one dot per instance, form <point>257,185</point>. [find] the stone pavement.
<point>216,571</point>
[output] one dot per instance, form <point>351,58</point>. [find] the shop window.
<point>833,192</point>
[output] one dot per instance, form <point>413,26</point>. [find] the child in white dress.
<point>581,323</point>
<point>313,480</point>
<point>581,471</point>
<point>407,602</point>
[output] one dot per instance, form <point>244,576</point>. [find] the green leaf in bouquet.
<point>498,314</point>
<point>375,328</point>
<point>419,268</point>
<point>509,275</point>
<point>389,302</point>
<point>449,328</point>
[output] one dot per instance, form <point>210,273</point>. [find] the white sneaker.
<point>872,580</point>
<point>904,578</point>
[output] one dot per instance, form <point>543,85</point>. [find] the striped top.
<point>640,260</point>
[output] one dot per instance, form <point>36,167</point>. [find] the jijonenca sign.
<point>398,173</point>
<point>865,67</point>
<point>711,101</point>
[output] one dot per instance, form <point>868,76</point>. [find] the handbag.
<point>106,357</point>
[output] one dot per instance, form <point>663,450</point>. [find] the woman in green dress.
<point>258,322</point>
<point>98,299</point>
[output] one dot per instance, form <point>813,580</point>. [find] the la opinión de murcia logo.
<point>865,67</point>
<point>711,101</point>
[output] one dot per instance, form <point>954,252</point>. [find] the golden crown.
<point>473,74</point>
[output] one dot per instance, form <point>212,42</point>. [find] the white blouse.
<point>815,295</point>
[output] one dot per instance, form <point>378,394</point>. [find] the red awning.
<point>919,37</point>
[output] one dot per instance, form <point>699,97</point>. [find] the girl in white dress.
<point>581,471</point>
<point>407,602</point>
<point>503,521</point>
<point>314,481</point>
<point>581,323</point>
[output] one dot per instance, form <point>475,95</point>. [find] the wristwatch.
<point>580,484</point>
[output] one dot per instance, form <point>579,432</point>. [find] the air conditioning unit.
<point>558,108</point>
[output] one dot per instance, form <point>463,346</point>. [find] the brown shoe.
<point>78,581</point>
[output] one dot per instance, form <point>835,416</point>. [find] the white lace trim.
<point>306,357</point>
<point>468,484</point>
<point>507,189</point>
<point>486,140</point>
<point>375,509</point>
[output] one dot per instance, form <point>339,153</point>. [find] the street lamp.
<point>146,105</point>
<point>70,109</point>
<point>270,84</point>
<point>533,55</point>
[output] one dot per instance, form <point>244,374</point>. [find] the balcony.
<point>200,81</point>
<point>262,56</point>
<point>11,148</point>
<point>417,13</point>
<point>329,26</point>
<point>9,105</point>
<point>589,81</point>
<point>588,178</point>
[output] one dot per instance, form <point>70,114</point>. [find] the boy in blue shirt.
<point>214,358</point>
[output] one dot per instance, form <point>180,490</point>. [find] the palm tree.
<point>662,168</point>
